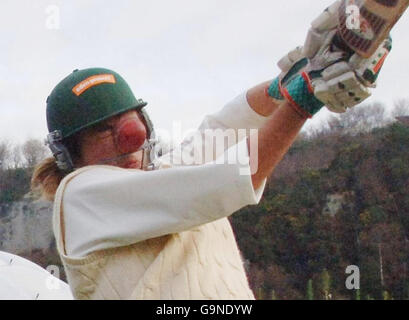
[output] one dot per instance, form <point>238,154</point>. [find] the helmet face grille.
<point>87,97</point>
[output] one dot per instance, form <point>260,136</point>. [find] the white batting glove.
<point>320,73</point>
<point>345,83</point>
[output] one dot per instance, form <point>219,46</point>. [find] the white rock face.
<point>26,225</point>
<point>336,201</point>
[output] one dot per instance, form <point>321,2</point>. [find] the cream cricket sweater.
<point>163,234</point>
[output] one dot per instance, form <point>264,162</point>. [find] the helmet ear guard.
<point>60,152</point>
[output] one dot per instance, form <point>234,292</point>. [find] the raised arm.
<point>224,128</point>
<point>260,102</point>
<point>274,139</point>
<point>329,76</point>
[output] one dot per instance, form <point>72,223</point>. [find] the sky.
<point>185,58</point>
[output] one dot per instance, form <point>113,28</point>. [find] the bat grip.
<point>339,43</point>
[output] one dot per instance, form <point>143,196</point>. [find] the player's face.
<point>114,141</point>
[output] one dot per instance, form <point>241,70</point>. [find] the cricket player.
<point>132,225</point>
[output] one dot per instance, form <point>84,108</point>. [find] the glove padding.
<point>320,73</point>
<point>346,83</point>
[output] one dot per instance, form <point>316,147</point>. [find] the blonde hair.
<point>46,178</point>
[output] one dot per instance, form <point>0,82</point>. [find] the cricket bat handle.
<point>364,24</point>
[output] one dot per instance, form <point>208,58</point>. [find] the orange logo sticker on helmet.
<point>93,81</point>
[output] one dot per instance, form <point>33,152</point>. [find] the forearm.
<point>274,140</point>
<point>259,101</point>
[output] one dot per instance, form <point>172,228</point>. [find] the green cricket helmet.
<point>83,99</point>
<point>87,97</point>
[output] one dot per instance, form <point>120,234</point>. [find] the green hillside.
<point>299,238</point>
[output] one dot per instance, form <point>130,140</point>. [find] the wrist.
<point>259,101</point>
<point>299,92</point>
<point>274,91</point>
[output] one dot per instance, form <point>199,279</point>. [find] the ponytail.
<point>46,178</point>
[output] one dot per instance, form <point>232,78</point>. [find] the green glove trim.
<point>274,90</point>
<point>300,93</point>
<point>296,88</point>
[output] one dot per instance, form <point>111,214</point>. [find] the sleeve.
<point>237,114</point>
<point>217,133</point>
<point>107,207</point>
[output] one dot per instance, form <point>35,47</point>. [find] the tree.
<point>326,284</point>
<point>310,290</point>
<point>33,151</point>
<point>16,156</point>
<point>4,154</point>
<point>400,108</point>
<point>362,118</point>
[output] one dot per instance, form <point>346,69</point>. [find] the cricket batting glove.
<point>321,73</point>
